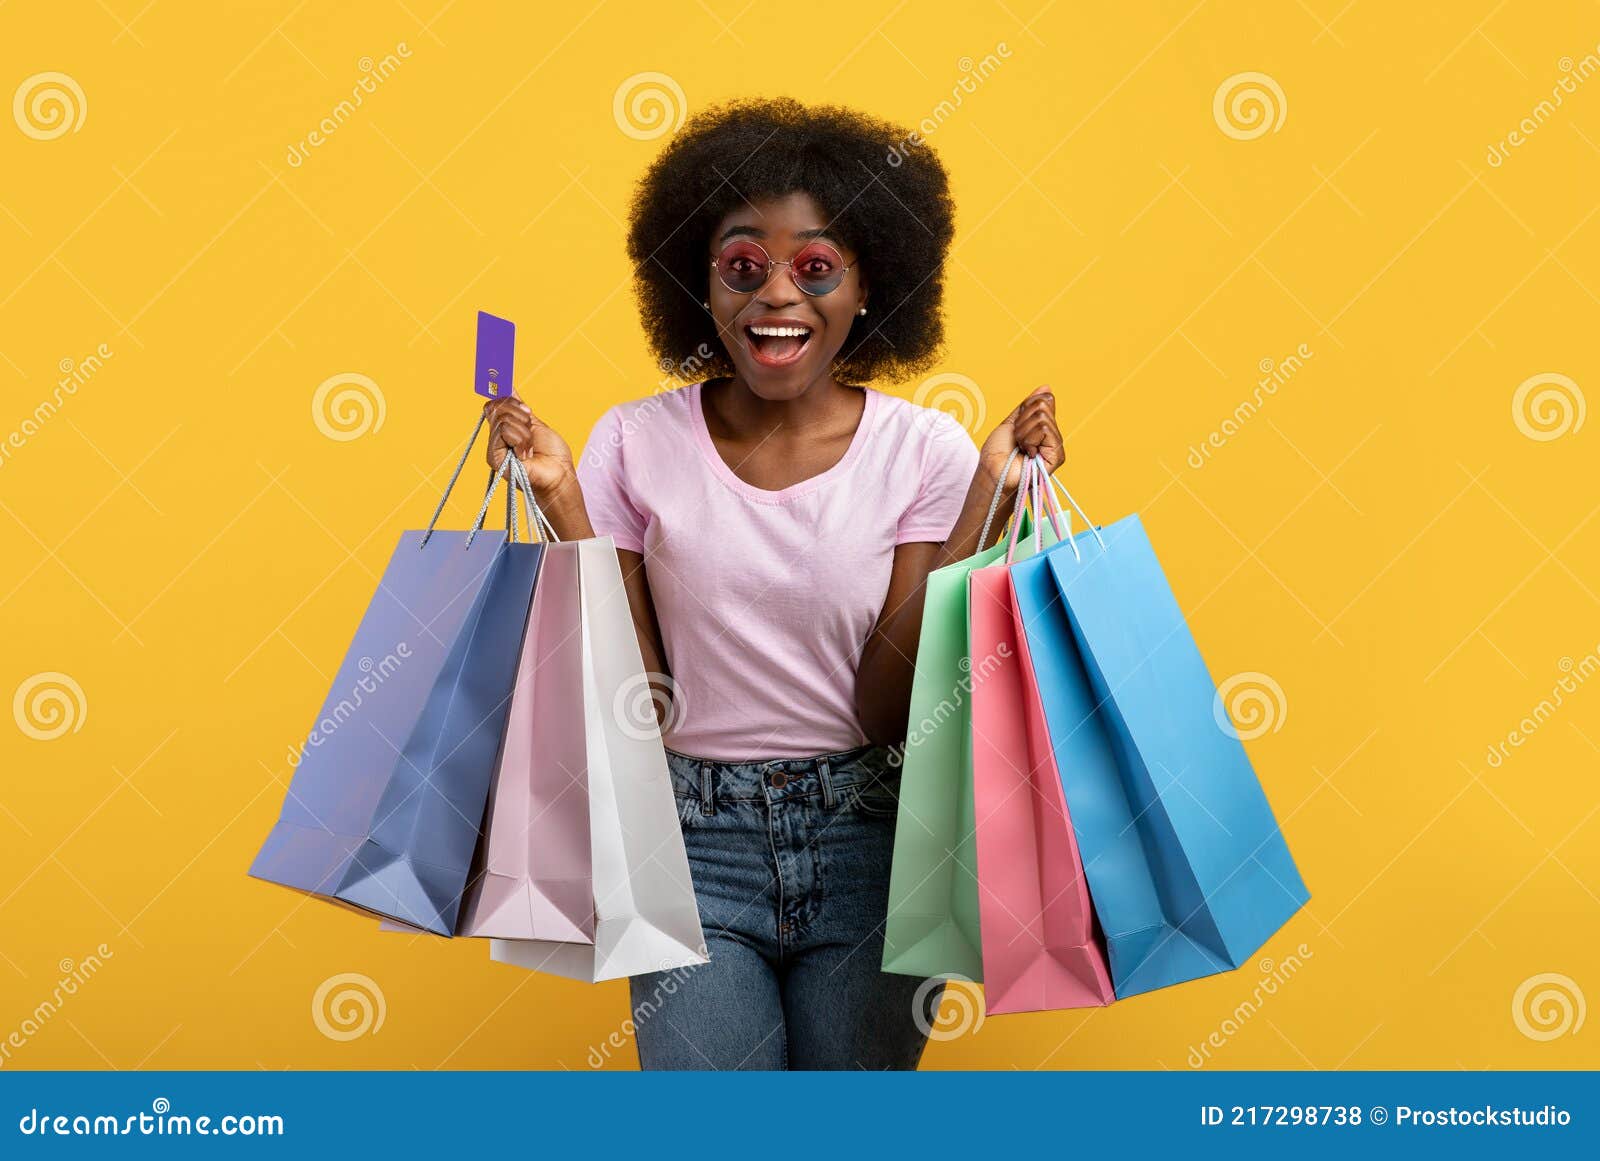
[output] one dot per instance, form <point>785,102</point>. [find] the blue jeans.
<point>790,860</point>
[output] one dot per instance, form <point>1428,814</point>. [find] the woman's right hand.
<point>544,454</point>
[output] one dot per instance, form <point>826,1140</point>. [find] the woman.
<point>776,523</point>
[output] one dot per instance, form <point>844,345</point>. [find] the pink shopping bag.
<point>1041,949</point>
<point>535,859</point>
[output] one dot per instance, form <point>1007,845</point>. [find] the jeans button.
<point>779,780</point>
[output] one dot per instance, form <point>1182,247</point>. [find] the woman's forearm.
<point>564,507</point>
<point>889,657</point>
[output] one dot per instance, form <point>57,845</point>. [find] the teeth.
<point>781,332</point>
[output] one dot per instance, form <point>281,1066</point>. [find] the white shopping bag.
<point>646,918</point>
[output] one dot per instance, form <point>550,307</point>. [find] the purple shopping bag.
<point>385,809</point>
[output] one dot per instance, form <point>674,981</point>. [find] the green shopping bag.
<point>932,925</point>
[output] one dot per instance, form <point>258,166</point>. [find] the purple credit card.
<point>497,341</point>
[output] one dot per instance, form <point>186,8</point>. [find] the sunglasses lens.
<point>742,266</point>
<point>818,269</point>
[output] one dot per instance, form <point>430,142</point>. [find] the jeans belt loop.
<point>708,791</point>
<point>823,776</point>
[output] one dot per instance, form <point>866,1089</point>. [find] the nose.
<point>779,289</point>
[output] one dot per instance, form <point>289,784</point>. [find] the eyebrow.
<point>758,232</point>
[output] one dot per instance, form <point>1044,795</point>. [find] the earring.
<point>863,310</point>
<point>706,304</point>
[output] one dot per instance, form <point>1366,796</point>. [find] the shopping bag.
<point>645,915</point>
<point>1040,947</point>
<point>932,926</point>
<point>384,809</point>
<point>1188,871</point>
<point>532,881</point>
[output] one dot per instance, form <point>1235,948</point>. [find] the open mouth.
<point>777,346</point>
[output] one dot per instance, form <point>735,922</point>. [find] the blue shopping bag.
<point>386,805</point>
<point>1188,872</point>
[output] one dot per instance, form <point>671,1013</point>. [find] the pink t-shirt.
<point>766,598</point>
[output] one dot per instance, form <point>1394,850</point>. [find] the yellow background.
<point>1382,539</point>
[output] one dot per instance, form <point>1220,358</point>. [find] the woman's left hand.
<point>1030,428</point>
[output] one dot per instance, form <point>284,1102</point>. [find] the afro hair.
<point>885,194</point>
